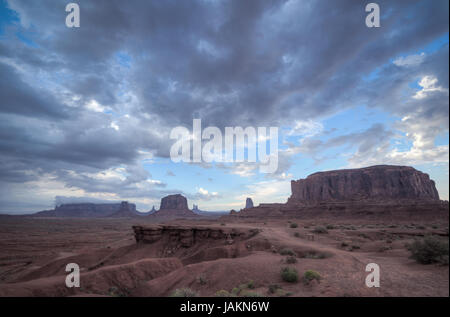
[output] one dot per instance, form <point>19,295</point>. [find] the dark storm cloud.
<point>230,63</point>
<point>20,98</point>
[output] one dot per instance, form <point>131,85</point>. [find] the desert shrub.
<point>273,288</point>
<point>330,227</point>
<point>247,293</point>
<point>429,250</point>
<point>291,260</point>
<point>297,235</point>
<point>315,255</point>
<point>310,275</point>
<point>223,293</point>
<point>289,275</point>
<point>344,244</point>
<point>116,292</point>
<point>183,292</point>
<point>286,251</point>
<point>201,279</point>
<point>293,225</point>
<point>355,247</point>
<point>320,229</point>
<point>250,284</point>
<point>235,291</point>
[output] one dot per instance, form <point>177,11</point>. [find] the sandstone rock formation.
<point>375,183</point>
<point>174,202</point>
<point>249,203</point>
<point>84,210</point>
<point>174,206</point>
<point>381,192</point>
<point>187,236</point>
<point>125,210</point>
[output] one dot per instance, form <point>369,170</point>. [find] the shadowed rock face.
<point>87,210</point>
<point>249,203</point>
<point>174,202</point>
<point>376,183</point>
<point>174,206</point>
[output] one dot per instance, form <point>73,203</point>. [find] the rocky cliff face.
<point>84,210</point>
<point>126,210</point>
<point>174,206</point>
<point>376,183</point>
<point>187,236</point>
<point>174,202</point>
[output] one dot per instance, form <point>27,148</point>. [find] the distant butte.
<point>375,183</point>
<point>375,191</point>
<point>174,206</point>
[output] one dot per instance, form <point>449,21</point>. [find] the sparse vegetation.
<point>116,292</point>
<point>183,292</point>
<point>320,230</point>
<point>330,227</point>
<point>429,250</point>
<point>315,255</point>
<point>293,225</point>
<point>223,293</point>
<point>201,279</point>
<point>289,275</point>
<point>247,293</point>
<point>286,251</point>
<point>273,288</point>
<point>291,260</point>
<point>297,235</point>
<point>311,275</point>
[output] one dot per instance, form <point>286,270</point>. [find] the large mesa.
<point>375,183</point>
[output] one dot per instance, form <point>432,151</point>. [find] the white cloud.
<point>306,128</point>
<point>410,60</point>
<point>93,105</point>
<point>428,84</point>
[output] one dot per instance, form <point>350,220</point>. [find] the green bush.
<point>429,250</point>
<point>289,275</point>
<point>235,291</point>
<point>291,260</point>
<point>330,227</point>
<point>184,292</point>
<point>320,229</point>
<point>273,288</point>
<point>286,251</point>
<point>293,225</point>
<point>310,275</point>
<point>251,284</point>
<point>223,293</point>
<point>247,293</point>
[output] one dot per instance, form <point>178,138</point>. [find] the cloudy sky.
<point>86,112</point>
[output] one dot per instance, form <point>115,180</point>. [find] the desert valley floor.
<point>34,253</point>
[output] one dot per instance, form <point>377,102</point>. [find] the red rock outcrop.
<point>86,210</point>
<point>381,192</point>
<point>174,206</point>
<point>174,202</point>
<point>187,236</point>
<point>375,183</point>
